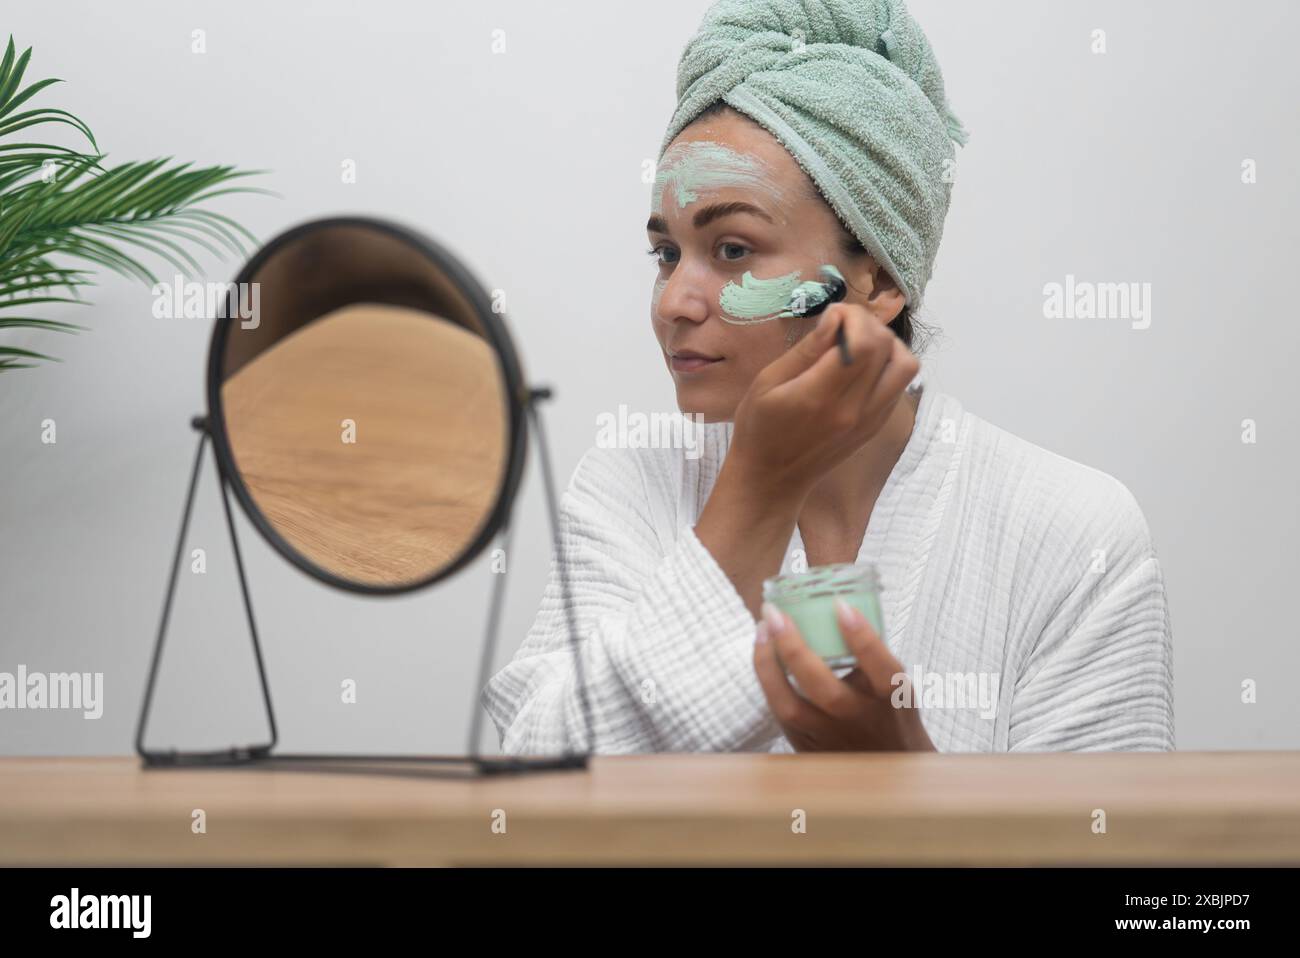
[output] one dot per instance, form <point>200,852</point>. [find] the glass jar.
<point>808,598</point>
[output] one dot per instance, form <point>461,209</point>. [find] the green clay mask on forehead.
<point>688,169</point>
<point>763,300</point>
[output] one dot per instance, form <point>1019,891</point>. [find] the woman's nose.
<point>680,297</point>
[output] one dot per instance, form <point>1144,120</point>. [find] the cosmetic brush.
<point>832,289</point>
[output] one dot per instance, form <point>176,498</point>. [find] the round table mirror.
<point>366,405</point>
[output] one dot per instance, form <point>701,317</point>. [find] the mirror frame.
<point>516,398</point>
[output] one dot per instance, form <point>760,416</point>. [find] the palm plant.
<point>59,204</point>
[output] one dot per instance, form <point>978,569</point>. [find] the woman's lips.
<point>690,364</point>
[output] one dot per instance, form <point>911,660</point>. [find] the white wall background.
<point>1122,167</point>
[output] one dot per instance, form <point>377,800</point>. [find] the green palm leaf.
<point>59,203</point>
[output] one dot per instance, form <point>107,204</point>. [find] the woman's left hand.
<point>850,714</point>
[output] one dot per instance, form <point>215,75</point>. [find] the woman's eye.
<point>665,254</point>
<point>733,250</point>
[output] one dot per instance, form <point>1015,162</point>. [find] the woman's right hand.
<point>807,412</point>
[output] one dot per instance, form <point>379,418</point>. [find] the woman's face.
<point>729,200</point>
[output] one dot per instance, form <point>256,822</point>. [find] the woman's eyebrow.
<point>706,215</point>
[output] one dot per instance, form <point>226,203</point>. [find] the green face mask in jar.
<point>808,598</point>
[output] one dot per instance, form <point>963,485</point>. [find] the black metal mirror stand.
<point>263,756</point>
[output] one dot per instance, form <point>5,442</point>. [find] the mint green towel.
<point>852,90</point>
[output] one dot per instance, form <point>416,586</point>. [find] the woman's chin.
<point>703,409</point>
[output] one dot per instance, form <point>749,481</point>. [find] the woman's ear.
<point>874,288</point>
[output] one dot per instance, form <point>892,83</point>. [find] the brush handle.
<point>842,341</point>
<point>837,292</point>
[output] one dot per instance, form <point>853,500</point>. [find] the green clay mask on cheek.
<point>763,300</point>
<point>756,300</point>
<point>654,297</point>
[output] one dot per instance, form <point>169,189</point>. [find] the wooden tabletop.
<point>1226,808</point>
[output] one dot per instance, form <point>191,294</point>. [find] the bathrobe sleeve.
<point>666,641</point>
<point>1101,674</point>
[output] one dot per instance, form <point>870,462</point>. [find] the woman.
<point>807,133</point>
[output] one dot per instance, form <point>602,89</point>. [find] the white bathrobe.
<point>1001,563</point>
